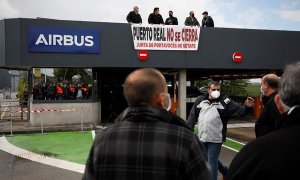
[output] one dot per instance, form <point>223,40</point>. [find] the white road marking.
<point>93,134</point>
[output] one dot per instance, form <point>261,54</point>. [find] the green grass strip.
<point>230,143</point>
<point>233,144</point>
<point>70,146</point>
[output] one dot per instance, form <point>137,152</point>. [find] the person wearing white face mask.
<point>269,119</point>
<point>275,155</point>
<point>148,142</point>
<point>211,112</point>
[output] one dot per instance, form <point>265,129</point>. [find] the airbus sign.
<point>63,40</point>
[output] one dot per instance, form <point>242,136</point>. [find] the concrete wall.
<point>90,114</point>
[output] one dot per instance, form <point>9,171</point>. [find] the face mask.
<point>169,103</point>
<point>215,94</point>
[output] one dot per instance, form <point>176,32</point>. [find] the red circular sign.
<point>143,55</point>
<point>237,57</point>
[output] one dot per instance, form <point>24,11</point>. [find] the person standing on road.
<point>207,21</point>
<point>148,142</point>
<point>191,20</point>
<point>269,119</point>
<point>171,20</point>
<point>211,112</point>
<point>134,17</point>
<point>275,155</point>
<point>155,17</point>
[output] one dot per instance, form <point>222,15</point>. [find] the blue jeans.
<point>212,154</point>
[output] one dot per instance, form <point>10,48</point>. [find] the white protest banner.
<point>165,37</point>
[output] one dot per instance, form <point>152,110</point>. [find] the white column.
<point>182,94</point>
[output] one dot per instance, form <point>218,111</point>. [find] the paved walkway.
<point>241,125</point>
<point>21,153</point>
<point>15,168</point>
<point>18,162</point>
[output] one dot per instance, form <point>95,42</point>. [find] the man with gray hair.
<point>149,142</point>
<point>275,155</point>
<point>134,17</point>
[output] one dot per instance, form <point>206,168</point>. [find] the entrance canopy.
<point>261,49</point>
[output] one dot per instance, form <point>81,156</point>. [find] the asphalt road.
<point>15,168</point>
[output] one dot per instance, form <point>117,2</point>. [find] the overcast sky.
<point>253,14</point>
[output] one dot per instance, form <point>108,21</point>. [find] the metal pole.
<point>11,133</point>
<point>42,127</point>
<point>81,118</point>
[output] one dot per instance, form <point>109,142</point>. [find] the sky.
<point>249,14</point>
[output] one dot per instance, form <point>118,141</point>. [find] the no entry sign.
<point>237,57</point>
<point>143,55</point>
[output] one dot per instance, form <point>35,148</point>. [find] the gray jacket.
<point>212,117</point>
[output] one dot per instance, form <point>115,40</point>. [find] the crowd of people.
<point>155,17</point>
<point>61,91</point>
<point>148,142</point>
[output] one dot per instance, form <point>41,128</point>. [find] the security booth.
<point>80,67</point>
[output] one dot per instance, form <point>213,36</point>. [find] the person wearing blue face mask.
<point>269,119</point>
<point>211,112</point>
<point>148,142</point>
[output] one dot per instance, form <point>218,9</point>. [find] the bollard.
<point>42,126</point>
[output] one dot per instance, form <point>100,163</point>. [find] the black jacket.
<point>171,21</point>
<point>269,119</point>
<point>208,22</point>
<point>132,17</point>
<point>228,109</point>
<point>272,156</point>
<point>155,19</point>
<point>148,143</point>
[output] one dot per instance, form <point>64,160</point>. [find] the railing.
<point>8,107</point>
<point>13,110</point>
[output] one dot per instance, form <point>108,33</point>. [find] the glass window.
<point>62,84</point>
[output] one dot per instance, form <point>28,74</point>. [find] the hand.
<point>249,102</point>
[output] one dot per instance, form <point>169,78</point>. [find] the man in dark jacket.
<point>191,20</point>
<point>269,119</point>
<point>134,16</point>
<point>171,20</point>
<point>155,17</point>
<point>275,155</point>
<point>211,112</point>
<point>149,142</point>
<point>207,21</point>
